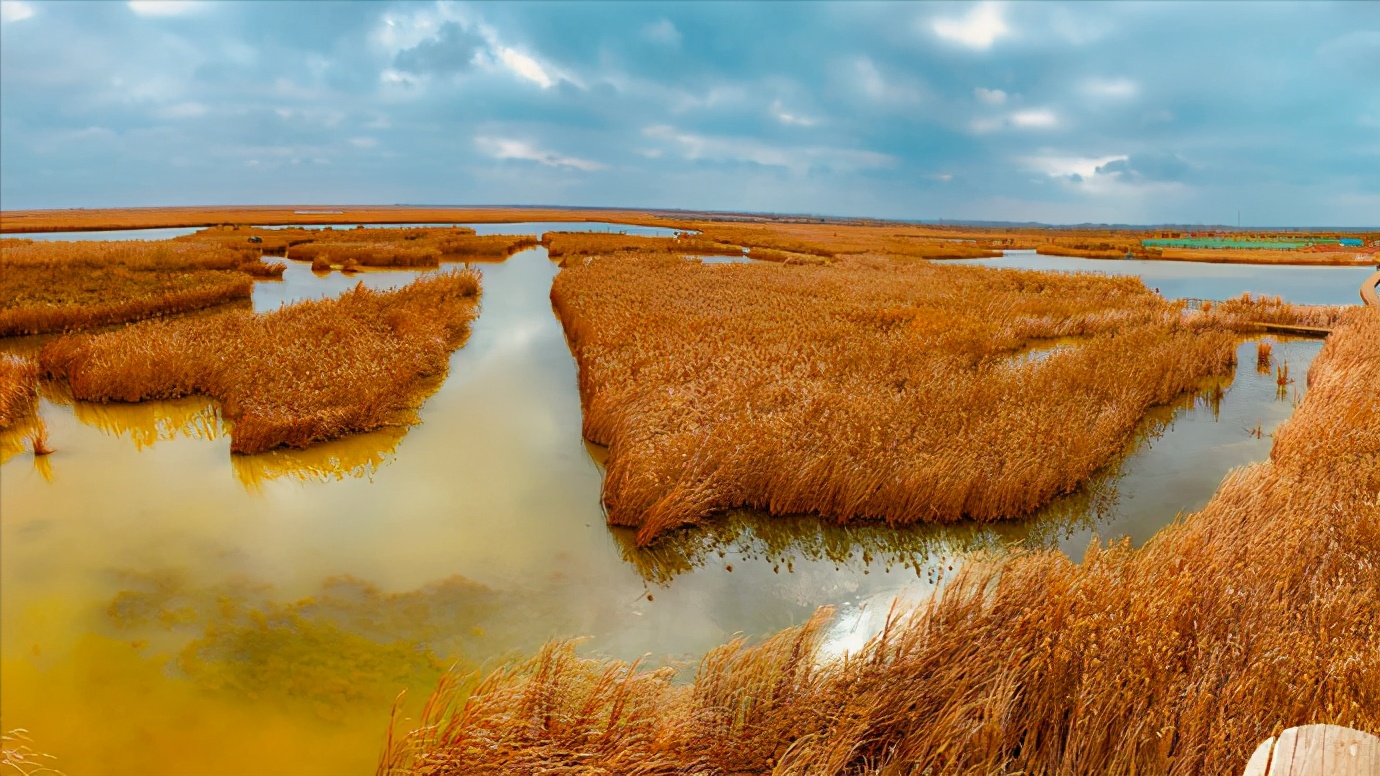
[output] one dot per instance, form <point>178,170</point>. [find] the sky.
<point>1073,112</point>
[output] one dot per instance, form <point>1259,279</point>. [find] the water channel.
<point>169,608</point>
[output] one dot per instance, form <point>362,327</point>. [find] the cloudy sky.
<point>1054,112</point>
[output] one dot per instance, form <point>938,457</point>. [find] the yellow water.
<point>166,607</point>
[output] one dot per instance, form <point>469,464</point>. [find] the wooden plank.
<point>1259,764</point>
<point>1368,294</point>
<point>1288,328</point>
<point>1319,750</point>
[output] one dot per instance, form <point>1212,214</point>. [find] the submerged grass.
<point>867,389</point>
<point>1259,613</point>
<point>67,286</point>
<point>303,374</point>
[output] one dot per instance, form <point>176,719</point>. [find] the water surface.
<point>170,608</point>
<point>1198,280</point>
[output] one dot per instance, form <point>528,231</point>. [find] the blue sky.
<point>1055,112</point>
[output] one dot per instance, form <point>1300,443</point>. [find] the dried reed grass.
<point>868,389</point>
<point>66,286</point>
<point>1246,310</point>
<point>410,248</point>
<point>18,389</point>
<point>1259,613</point>
<point>303,374</point>
<point>562,244</point>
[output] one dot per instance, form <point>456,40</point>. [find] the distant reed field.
<point>67,286</point>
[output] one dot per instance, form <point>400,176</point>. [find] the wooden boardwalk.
<point>1317,750</point>
<point>1368,295</point>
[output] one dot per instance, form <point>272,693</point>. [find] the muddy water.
<point>1197,280</point>
<point>168,608</point>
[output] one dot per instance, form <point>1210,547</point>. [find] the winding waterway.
<point>170,608</point>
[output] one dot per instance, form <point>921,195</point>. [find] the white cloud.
<point>183,110</point>
<point>1034,118</point>
<point>393,77</point>
<point>526,67</point>
<point>1079,167</point>
<point>797,159</point>
<point>790,118</point>
<point>399,32</point>
<point>363,142</point>
<point>1041,118</point>
<point>990,96</point>
<point>15,11</point>
<point>978,30</point>
<point>663,32</point>
<point>507,148</point>
<point>869,80</point>
<point>1077,27</point>
<point>162,7</point>
<point>1116,88</point>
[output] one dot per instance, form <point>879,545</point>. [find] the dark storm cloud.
<point>1064,112</point>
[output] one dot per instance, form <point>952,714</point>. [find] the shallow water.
<point>1197,280</point>
<point>170,608</point>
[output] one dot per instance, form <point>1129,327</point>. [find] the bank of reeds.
<point>18,389</point>
<point>65,286</point>
<point>562,244</point>
<point>1246,309</point>
<point>303,374</point>
<point>827,241</point>
<point>406,248</point>
<point>1259,613</point>
<point>867,389</point>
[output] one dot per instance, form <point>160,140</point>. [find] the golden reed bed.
<point>1258,613</point>
<point>66,286</point>
<point>405,248</point>
<point>867,389</point>
<point>303,374</point>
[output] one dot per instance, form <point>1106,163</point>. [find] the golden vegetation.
<point>1245,310</point>
<point>18,389</point>
<point>1256,614</point>
<point>562,244</point>
<point>1244,256</point>
<point>409,248</point>
<point>303,374</point>
<point>66,286</point>
<point>155,217</point>
<point>868,389</point>
<point>827,241</point>
<point>793,235</point>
